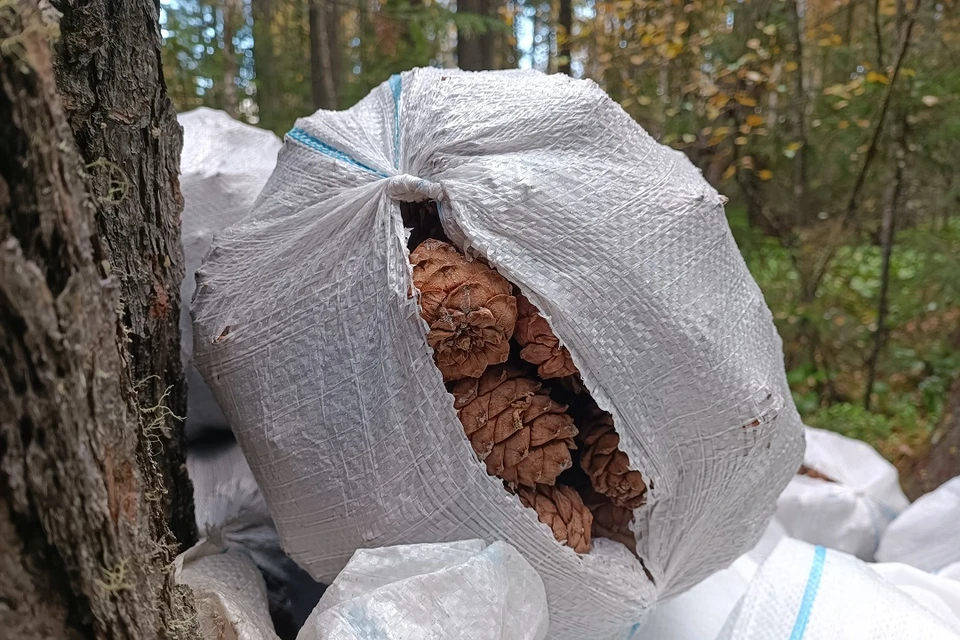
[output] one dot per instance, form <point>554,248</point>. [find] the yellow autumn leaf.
<point>754,120</point>
<point>740,141</point>
<point>715,140</point>
<point>841,104</point>
<point>636,59</point>
<point>843,124</point>
<point>673,50</point>
<point>770,29</point>
<point>688,138</point>
<point>793,146</point>
<point>746,101</point>
<point>729,173</point>
<point>790,66</point>
<point>644,100</point>
<point>753,43</point>
<point>879,78</point>
<point>862,123</point>
<point>907,72</point>
<point>765,174</point>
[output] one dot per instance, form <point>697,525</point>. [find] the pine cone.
<point>523,436</point>
<point>470,309</point>
<point>608,466</point>
<point>561,509</point>
<point>610,521</point>
<point>540,346</point>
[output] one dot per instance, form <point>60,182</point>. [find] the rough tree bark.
<point>475,50</point>
<point>324,54</point>
<point>84,498</point>
<point>109,76</point>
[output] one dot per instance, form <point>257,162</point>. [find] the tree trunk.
<point>266,67</point>
<point>475,50</point>
<point>325,74</point>
<point>84,500</point>
<point>232,13</point>
<point>888,230</point>
<point>565,19</point>
<point>941,462</point>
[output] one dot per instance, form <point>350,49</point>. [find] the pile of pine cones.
<point>506,370</point>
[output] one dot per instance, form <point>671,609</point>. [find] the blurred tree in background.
<point>829,123</point>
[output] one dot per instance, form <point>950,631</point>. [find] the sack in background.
<point>464,590</point>
<point>317,352</point>
<point>231,597</point>
<point>223,166</point>
<point>804,592</point>
<point>233,517</point>
<point>851,508</point>
<point>927,534</point>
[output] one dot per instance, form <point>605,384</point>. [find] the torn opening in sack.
<point>518,395</point>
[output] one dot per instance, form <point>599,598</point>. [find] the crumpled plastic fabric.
<point>433,592</point>
<point>315,349</point>
<point>927,534</point>
<point>851,513</point>
<point>223,166</point>
<point>803,592</point>
<point>229,590</point>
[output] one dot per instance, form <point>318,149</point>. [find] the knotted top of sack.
<point>407,188</point>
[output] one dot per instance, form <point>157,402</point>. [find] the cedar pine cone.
<point>540,346</point>
<point>560,508</point>
<point>608,466</point>
<point>611,521</point>
<point>470,309</point>
<point>522,435</point>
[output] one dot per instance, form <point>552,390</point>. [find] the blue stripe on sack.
<point>809,593</point>
<point>308,140</point>
<point>396,87</point>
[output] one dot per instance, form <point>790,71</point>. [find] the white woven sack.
<point>231,597</point>
<point>927,534</point>
<point>319,357</point>
<point>851,513</point>
<point>433,592</point>
<point>804,592</point>
<point>223,166</point>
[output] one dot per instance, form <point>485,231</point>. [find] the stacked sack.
<point>316,340</point>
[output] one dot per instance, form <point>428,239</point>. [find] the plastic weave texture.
<point>308,331</point>
<point>810,593</point>
<point>433,592</point>
<point>850,513</point>
<point>927,534</point>
<point>223,166</point>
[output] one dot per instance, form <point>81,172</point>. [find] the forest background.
<point>832,125</point>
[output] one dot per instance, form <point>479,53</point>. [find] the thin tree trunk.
<point>324,54</point>
<point>888,230</point>
<point>799,118</point>
<point>475,50</point>
<point>232,14</point>
<point>266,67</point>
<point>84,504</point>
<point>565,20</point>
